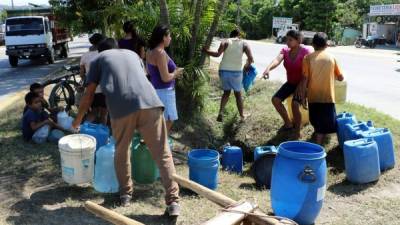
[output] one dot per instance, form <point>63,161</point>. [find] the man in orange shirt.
<point>320,70</point>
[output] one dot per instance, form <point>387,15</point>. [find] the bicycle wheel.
<point>62,95</point>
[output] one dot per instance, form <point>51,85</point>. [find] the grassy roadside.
<point>32,192</point>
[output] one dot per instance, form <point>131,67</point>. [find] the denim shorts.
<point>231,80</point>
<point>168,98</point>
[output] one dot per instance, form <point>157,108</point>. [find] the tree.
<point>213,29</point>
<point>164,13</point>
<point>195,28</point>
<point>3,15</point>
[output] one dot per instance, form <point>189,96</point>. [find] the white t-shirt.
<point>86,59</point>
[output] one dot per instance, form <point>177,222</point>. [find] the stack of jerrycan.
<point>342,120</point>
<point>353,131</point>
<point>100,132</point>
<point>384,139</point>
<point>361,160</point>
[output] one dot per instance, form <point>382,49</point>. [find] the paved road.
<point>373,75</point>
<point>28,71</point>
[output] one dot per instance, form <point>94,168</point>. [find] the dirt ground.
<point>32,191</point>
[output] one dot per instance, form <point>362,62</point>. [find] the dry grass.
<point>32,192</point>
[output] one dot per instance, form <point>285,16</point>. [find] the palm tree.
<point>217,13</point>
<point>195,28</point>
<point>164,13</point>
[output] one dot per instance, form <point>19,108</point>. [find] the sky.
<point>25,2</point>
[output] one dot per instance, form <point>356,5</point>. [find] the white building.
<point>383,22</point>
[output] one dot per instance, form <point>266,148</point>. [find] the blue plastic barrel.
<point>98,131</point>
<point>361,161</point>
<point>263,150</point>
<point>342,119</point>
<point>298,181</point>
<point>203,167</point>
<point>353,131</point>
<point>105,178</point>
<point>232,159</point>
<point>384,139</point>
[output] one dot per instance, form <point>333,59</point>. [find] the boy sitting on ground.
<point>320,70</point>
<point>36,124</point>
<point>39,90</point>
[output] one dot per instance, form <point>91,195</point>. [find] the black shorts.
<point>323,117</point>
<point>285,91</point>
<point>99,101</point>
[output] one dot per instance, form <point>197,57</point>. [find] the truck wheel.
<point>64,51</point>
<point>13,61</point>
<point>50,57</point>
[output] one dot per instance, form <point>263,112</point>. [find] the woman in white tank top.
<point>231,69</point>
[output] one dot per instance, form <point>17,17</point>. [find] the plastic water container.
<point>353,131</point>
<point>232,159</point>
<point>361,160</point>
<point>340,92</point>
<point>384,139</point>
<point>262,168</point>
<point>77,158</point>
<point>342,119</point>
<point>105,177</point>
<point>203,167</point>
<point>98,131</point>
<point>64,120</point>
<point>144,169</point>
<point>305,119</point>
<point>263,150</point>
<point>299,181</point>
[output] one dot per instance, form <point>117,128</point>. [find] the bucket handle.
<point>308,175</point>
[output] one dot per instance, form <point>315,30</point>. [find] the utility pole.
<point>12,3</point>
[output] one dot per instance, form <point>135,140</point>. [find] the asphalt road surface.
<point>373,75</point>
<point>13,80</point>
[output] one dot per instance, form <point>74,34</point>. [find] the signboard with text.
<point>277,22</point>
<point>384,10</point>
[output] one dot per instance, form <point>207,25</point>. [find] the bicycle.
<point>63,93</point>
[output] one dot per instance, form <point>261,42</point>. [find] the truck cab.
<point>281,36</point>
<point>28,37</point>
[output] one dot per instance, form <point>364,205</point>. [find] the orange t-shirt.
<point>321,69</point>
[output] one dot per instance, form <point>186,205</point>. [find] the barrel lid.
<point>77,143</point>
<point>233,149</point>
<point>301,150</point>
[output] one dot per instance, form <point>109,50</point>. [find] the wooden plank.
<point>258,217</point>
<point>109,215</point>
<point>211,195</point>
<point>232,218</point>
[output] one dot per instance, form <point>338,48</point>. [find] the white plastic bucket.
<point>77,153</point>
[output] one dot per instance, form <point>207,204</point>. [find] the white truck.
<point>281,36</point>
<point>33,33</point>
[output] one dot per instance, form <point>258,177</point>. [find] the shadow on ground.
<point>50,207</point>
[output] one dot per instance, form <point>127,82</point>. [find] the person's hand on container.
<point>265,74</point>
<point>178,72</point>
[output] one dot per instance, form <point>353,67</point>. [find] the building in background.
<point>383,23</point>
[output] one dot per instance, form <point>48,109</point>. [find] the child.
<point>320,70</point>
<point>36,118</point>
<point>39,90</point>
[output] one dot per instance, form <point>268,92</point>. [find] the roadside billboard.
<point>278,22</point>
<point>384,10</point>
